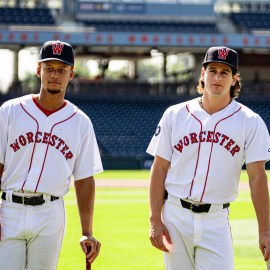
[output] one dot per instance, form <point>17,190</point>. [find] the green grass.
<point>121,225</point>
<point>124,174</point>
<point>245,234</point>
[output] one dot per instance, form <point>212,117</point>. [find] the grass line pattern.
<point>121,224</point>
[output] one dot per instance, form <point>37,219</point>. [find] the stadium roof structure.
<point>77,27</point>
<point>129,43</point>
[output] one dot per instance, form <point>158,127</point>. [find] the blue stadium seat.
<point>250,21</point>
<point>26,16</point>
<point>152,26</point>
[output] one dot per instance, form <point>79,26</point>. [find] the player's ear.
<point>234,80</point>
<point>38,70</point>
<point>202,74</point>
<point>71,74</point>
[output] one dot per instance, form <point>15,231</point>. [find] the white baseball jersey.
<point>40,153</point>
<point>207,151</point>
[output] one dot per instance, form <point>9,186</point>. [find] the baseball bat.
<point>87,263</point>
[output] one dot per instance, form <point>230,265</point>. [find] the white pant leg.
<point>13,244</point>
<point>31,235</point>
<point>180,226</point>
<point>200,241</point>
<point>215,248</point>
<point>47,226</point>
<point>12,254</point>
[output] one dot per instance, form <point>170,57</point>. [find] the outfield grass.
<point>121,225</point>
<point>124,174</point>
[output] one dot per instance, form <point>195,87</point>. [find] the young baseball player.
<point>44,141</point>
<point>199,148</point>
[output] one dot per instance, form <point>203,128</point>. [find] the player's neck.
<point>50,102</point>
<point>214,105</point>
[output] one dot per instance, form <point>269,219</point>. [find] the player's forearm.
<point>259,193</point>
<point>85,191</point>
<point>260,199</point>
<point>156,198</point>
<point>157,187</point>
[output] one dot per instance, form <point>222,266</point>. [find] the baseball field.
<point>121,225</point>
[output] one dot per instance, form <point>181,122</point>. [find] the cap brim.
<point>57,59</point>
<point>225,63</point>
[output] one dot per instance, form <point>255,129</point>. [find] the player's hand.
<point>158,232</point>
<point>264,242</point>
<point>90,241</point>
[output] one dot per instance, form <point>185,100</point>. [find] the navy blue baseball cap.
<point>57,50</point>
<point>222,55</point>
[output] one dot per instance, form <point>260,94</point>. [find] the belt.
<point>199,208</point>
<point>34,200</point>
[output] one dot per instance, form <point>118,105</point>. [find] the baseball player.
<point>199,148</point>
<point>44,141</point>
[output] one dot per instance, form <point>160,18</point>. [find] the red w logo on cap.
<point>223,53</point>
<point>57,48</point>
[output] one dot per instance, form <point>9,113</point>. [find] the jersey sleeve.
<point>160,143</point>
<point>257,146</point>
<point>88,162</point>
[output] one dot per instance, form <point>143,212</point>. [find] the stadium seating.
<point>26,16</point>
<point>251,21</point>
<point>123,126</point>
<point>152,26</point>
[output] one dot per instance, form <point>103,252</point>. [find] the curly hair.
<point>234,91</point>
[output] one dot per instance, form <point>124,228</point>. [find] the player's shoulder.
<point>11,103</point>
<point>248,116</point>
<point>245,110</point>
<point>81,115</point>
<point>177,107</point>
<point>180,109</point>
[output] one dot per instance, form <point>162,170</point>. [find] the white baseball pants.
<point>31,235</point>
<point>200,241</point>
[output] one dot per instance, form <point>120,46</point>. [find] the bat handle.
<point>88,264</point>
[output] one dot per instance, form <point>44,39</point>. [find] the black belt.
<point>199,208</point>
<point>34,200</point>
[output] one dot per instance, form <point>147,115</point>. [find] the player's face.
<point>218,79</point>
<point>54,76</point>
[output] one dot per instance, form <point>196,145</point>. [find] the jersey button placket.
<point>205,151</point>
